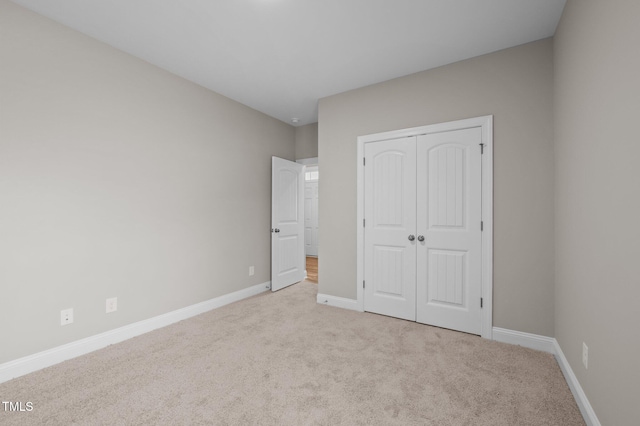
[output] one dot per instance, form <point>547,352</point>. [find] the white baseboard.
<point>338,302</point>
<point>527,340</point>
<point>40,360</point>
<point>550,345</point>
<point>586,409</point>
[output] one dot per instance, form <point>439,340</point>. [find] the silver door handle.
<point>421,238</point>
<point>412,237</point>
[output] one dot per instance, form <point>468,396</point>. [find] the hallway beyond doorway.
<point>312,269</point>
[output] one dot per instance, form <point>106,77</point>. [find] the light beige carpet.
<point>282,359</point>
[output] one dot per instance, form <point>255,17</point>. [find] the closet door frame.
<point>486,125</point>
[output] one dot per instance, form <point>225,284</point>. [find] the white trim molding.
<point>308,161</point>
<point>551,345</point>
<point>40,360</point>
<point>338,302</point>
<point>486,125</point>
<point>584,405</point>
<point>527,340</point>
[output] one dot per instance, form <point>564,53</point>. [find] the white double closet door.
<point>422,231</point>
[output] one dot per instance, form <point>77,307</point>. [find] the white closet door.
<point>390,206</point>
<point>449,198</point>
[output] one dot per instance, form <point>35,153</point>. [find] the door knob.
<point>412,237</point>
<point>277,230</point>
<point>421,238</point>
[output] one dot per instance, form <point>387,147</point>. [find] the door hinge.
<point>481,225</point>
<point>481,302</point>
<point>363,284</point>
<point>481,148</point>
<point>363,223</point>
<point>364,161</point>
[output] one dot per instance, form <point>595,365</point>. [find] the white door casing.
<point>449,209</point>
<point>445,258</point>
<point>390,203</point>
<point>287,223</point>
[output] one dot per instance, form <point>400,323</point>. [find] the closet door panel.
<point>390,207</point>
<point>448,218</point>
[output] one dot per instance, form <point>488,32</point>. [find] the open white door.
<point>287,223</point>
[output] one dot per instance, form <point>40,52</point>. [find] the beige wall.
<point>514,85</point>
<point>118,179</point>
<point>597,104</point>
<point>307,141</point>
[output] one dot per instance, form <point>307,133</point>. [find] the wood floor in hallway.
<point>312,269</point>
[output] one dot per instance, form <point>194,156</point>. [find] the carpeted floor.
<point>282,359</point>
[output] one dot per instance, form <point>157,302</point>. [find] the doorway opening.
<point>311,183</point>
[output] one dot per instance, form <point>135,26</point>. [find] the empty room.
<point>296,212</point>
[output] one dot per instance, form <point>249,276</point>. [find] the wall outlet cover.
<point>66,316</point>
<point>112,305</point>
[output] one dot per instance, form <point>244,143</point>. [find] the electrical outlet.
<point>252,271</point>
<point>66,316</point>
<point>112,304</point>
<point>585,355</point>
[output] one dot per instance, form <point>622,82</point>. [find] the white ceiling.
<point>281,56</point>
